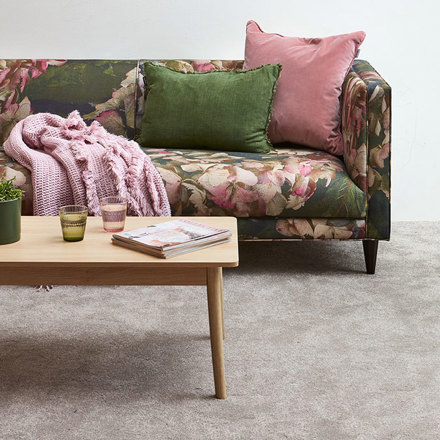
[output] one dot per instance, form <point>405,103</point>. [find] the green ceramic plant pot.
<point>10,221</point>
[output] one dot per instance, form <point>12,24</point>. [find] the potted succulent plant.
<point>10,211</point>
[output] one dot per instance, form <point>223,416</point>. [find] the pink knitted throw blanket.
<point>72,163</point>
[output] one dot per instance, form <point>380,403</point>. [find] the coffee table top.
<point>42,243</point>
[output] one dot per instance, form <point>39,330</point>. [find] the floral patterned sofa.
<point>290,193</point>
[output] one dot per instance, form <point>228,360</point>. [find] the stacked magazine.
<point>172,238</point>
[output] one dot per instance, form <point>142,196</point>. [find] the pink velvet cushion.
<point>306,108</point>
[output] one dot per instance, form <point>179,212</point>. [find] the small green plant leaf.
<point>8,191</point>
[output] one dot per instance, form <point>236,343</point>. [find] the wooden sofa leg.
<point>370,254</point>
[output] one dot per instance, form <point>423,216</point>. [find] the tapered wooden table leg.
<point>214,282</point>
<point>223,309</point>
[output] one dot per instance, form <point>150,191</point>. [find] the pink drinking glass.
<point>113,210</point>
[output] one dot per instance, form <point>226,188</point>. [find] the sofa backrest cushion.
<point>102,90</point>
<point>110,91</point>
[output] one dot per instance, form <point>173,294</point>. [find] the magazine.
<point>170,253</point>
<point>172,238</point>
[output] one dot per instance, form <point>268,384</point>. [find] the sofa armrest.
<point>366,130</point>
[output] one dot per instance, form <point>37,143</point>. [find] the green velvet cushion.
<point>221,110</point>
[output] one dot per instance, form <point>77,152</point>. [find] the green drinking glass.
<point>73,221</point>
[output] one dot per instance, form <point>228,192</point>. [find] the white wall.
<point>402,44</point>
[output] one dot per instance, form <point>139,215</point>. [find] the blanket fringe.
<point>83,164</point>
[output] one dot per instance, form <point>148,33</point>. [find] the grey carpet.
<point>315,349</point>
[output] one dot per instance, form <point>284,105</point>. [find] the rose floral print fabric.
<point>215,183</point>
<point>301,229</point>
<point>366,129</point>
<point>292,204</point>
<point>23,180</point>
<point>99,89</point>
<point>283,183</point>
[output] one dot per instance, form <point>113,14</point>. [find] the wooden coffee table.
<point>42,257</point>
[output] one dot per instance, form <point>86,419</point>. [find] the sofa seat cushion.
<point>284,183</point>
